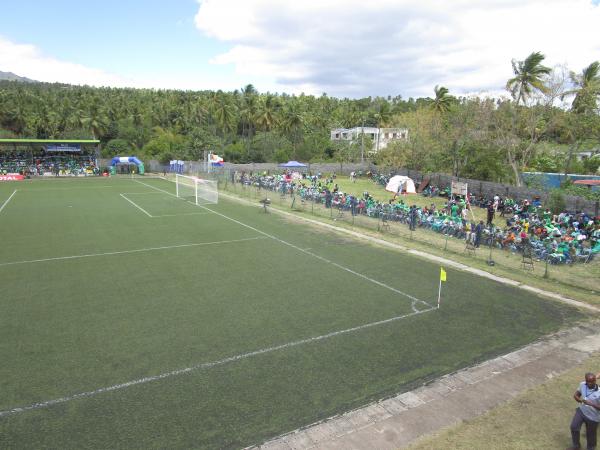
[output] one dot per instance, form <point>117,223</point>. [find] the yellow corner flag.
<point>442,278</point>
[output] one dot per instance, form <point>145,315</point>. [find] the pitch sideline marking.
<point>137,206</point>
<point>124,194</point>
<point>379,283</point>
<point>201,366</point>
<point>182,214</point>
<point>7,200</point>
<point>44,189</point>
<point>139,250</point>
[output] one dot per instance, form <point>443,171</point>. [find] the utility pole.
<point>362,143</point>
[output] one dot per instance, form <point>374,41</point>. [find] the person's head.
<point>590,379</point>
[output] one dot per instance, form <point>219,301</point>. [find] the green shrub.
<point>556,201</point>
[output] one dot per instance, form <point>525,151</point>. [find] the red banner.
<point>11,177</point>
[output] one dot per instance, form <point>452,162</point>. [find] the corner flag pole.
<point>442,278</point>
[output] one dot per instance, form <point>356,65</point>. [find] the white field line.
<point>414,300</point>
<point>206,365</point>
<point>44,189</point>
<point>162,190</point>
<point>143,177</point>
<point>182,214</point>
<point>66,180</point>
<point>166,215</point>
<point>137,206</point>
<point>124,252</point>
<point>8,200</point>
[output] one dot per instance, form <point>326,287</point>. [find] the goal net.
<point>197,190</point>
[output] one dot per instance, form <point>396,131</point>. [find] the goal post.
<point>197,190</point>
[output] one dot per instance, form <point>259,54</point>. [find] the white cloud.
<point>28,61</point>
<point>357,48</point>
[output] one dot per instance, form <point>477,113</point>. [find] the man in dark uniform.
<point>478,232</point>
<point>490,213</point>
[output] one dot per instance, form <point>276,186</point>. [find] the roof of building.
<point>588,182</point>
<point>49,141</point>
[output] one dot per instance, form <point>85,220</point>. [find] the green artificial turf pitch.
<point>217,326</point>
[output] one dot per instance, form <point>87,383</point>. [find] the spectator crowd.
<point>49,165</point>
<point>517,226</point>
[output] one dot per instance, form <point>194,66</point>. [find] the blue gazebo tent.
<point>292,165</point>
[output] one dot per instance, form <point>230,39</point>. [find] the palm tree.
<point>94,123</point>
<point>248,112</point>
<point>249,90</point>
<point>136,116</point>
<point>292,123</point>
<point>585,104</point>
<point>212,103</point>
<point>266,116</point>
<point>587,89</point>
<point>382,116</point>
<point>442,101</point>
<point>529,76</point>
<point>224,115</point>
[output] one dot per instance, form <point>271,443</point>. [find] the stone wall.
<point>324,168</point>
<point>489,189</point>
<point>478,187</point>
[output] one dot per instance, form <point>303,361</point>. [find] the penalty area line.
<point>137,206</point>
<point>8,200</point>
<point>124,252</point>
<point>182,214</point>
<point>204,366</point>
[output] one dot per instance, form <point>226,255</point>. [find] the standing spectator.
<point>464,214</point>
<point>353,204</point>
<point>490,214</point>
<point>470,233</point>
<point>327,198</point>
<point>454,209</point>
<point>478,231</point>
<point>588,395</point>
<point>412,215</point>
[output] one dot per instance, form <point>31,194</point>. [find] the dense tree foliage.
<point>485,138</point>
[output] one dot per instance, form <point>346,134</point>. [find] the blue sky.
<point>132,38</point>
<point>342,47</point>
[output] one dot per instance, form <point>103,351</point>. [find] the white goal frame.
<point>203,191</point>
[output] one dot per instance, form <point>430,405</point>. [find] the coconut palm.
<point>442,101</point>
<point>292,124</point>
<point>529,76</point>
<point>224,115</point>
<point>266,116</point>
<point>248,111</point>
<point>587,89</point>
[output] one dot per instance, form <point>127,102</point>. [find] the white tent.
<point>399,184</point>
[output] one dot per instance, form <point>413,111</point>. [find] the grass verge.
<point>539,418</point>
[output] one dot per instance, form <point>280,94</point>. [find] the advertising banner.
<point>459,188</point>
<point>12,177</point>
<point>63,148</point>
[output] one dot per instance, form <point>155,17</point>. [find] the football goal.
<point>197,190</point>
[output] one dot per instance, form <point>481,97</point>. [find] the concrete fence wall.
<point>324,168</point>
<point>478,187</point>
<point>489,189</point>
